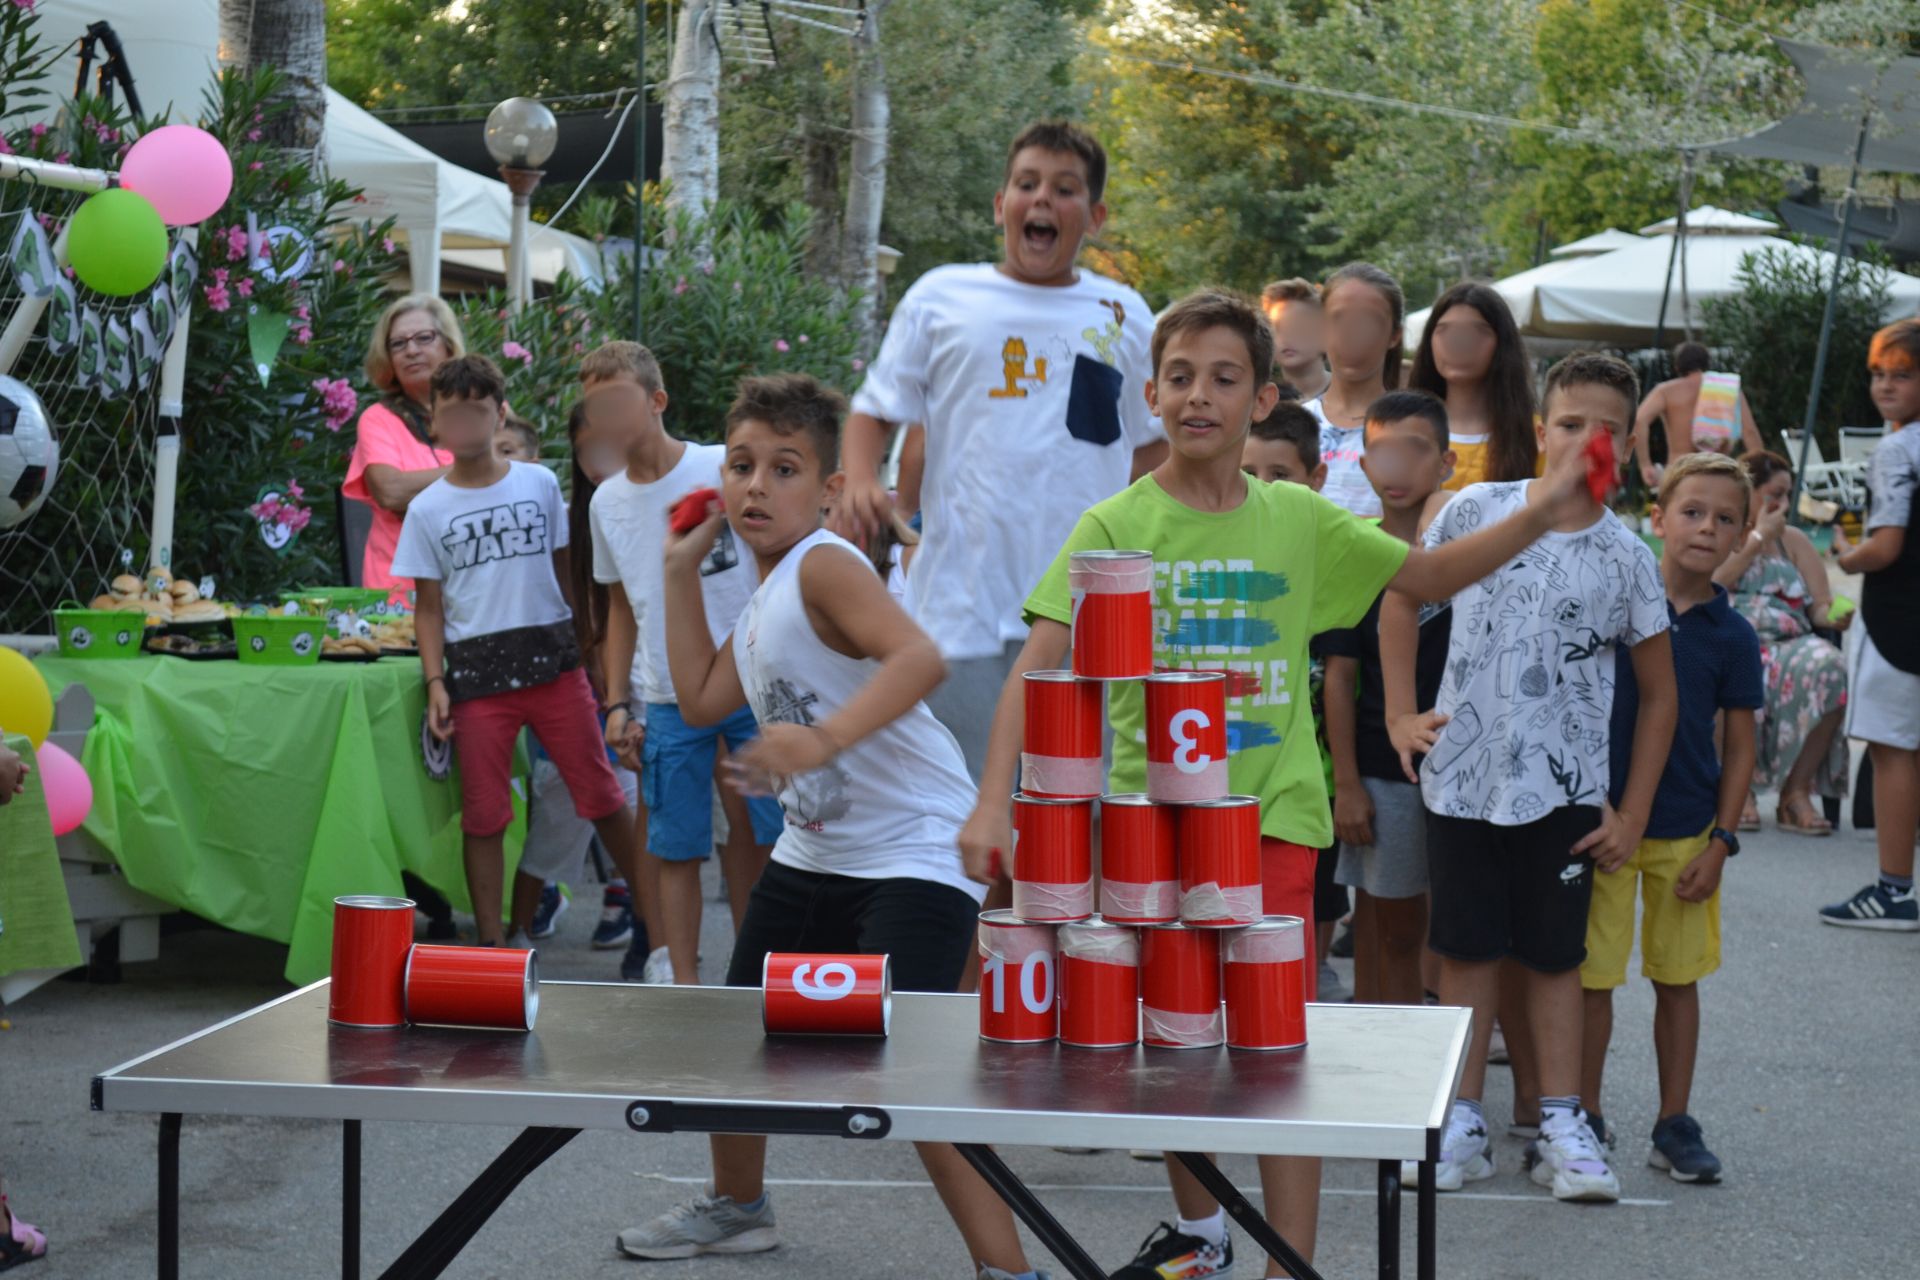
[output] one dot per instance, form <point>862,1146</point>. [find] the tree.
<point>289,36</point>
<point>690,155</point>
<point>867,176</point>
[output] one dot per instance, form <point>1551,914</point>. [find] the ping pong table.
<point>1374,1083</point>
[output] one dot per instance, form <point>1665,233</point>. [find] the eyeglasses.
<point>418,341</point>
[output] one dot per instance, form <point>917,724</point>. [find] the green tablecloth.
<point>255,795</point>
<point>36,922</point>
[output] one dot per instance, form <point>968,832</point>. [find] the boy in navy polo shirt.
<point>1702,514</point>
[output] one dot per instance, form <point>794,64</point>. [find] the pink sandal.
<point>22,1243</point>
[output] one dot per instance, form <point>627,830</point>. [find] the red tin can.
<point>1099,985</point>
<point>1018,971</point>
<point>473,987</point>
<point>1265,977</point>
<point>1052,859</point>
<point>1063,755</point>
<point>1186,736</point>
<point>371,935</point>
<point>1112,614</point>
<point>1179,987</point>
<point>1219,843</point>
<point>1139,869</point>
<point>826,995</point>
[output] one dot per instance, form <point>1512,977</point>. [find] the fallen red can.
<point>1017,971</point>
<point>826,995</point>
<point>371,935</point>
<point>1062,755</point>
<point>1139,869</point>
<point>1264,970</point>
<point>1112,614</point>
<point>1219,845</point>
<point>473,987</point>
<point>1099,985</point>
<point>1179,987</point>
<point>1052,859</point>
<point>1186,736</point>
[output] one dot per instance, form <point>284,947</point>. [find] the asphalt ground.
<point>1805,1089</point>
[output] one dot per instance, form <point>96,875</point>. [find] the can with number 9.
<point>1018,968</point>
<point>1186,736</point>
<point>826,995</point>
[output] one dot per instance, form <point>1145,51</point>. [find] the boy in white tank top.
<point>874,789</point>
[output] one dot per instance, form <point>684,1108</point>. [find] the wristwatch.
<point>1727,838</point>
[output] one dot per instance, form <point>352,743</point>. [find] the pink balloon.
<point>69,789</point>
<point>183,171</point>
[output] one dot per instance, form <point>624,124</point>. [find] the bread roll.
<point>183,592</point>
<point>127,585</point>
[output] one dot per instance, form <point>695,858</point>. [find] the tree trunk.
<point>867,176</point>
<point>291,37</point>
<point>822,195</point>
<point>690,154</point>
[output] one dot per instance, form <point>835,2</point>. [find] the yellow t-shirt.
<point>1239,591</point>
<point>1470,462</point>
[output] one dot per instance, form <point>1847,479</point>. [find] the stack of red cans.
<point>1179,955</point>
<point>382,979</point>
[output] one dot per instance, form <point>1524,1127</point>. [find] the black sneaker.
<point>1682,1152</point>
<point>1167,1254</point>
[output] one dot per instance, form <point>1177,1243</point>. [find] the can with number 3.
<point>826,995</point>
<point>1018,964</point>
<point>1186,736</point>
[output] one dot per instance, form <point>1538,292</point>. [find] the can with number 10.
<point>1017,979</point>
<point>826,995</point>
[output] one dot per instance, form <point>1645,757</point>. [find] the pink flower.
<point>858,364</point>
<point>245,287</point>
<point>253,135</point>
<point>259,116</point>
<point>294,490</point>
<point>339,265</point>
<point>303,335</point>
<point>337,400</point>
<point>217,298</point>
<point>706,268</point>
<point>219,275</point>
<point>6,148</point>
<point>386,243</point>
<point>579,347</point>
<point>236,238</point>
<point>38,130</point>
<point>803,339</point>
<point>254,166</point>
<point>24,4</point>
<point>59,157</point>
<point>300,312</point>
<point>105,134</point>
<point>736,286</point>
<point>680,286</point>
<point>780,344</point>
<point>514,351</point>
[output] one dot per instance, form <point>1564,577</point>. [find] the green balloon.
<point>117,243</point>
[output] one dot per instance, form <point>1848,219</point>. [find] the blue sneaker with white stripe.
<point>546,916</point>
<point>1875,908</point>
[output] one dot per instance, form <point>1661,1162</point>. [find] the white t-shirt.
<point>629,523</point>
<point>888,807</point>
<point>1341,448</point>
<point>1034,402</point>
<point>1529,679</point>
<point>507,626</point>
<point>491,549</point>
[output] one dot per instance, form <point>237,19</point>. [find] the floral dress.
<point>1806,677</point>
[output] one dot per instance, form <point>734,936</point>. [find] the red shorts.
<point>566,718</point>
<point>1286,889</point>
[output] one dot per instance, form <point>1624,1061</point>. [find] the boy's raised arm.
<point>1444,571</point>
<point>705,682</point>
<point>989,830</point>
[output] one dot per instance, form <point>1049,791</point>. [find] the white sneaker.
<point>705,1224</point>
<point>1568,1159</point>
<point>1466,1154</point>
<point>659,970</point>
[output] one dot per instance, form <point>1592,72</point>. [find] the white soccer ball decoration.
<point>29,452</point>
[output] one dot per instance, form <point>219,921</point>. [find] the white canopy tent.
<point>1599,242</point>
<point>1520,290</point>
<point>442,211</point>
<point>1711,220</point>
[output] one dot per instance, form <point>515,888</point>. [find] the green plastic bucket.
<point>279,641</point>
<point>98,633</point>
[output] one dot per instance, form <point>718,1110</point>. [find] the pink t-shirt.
<point>382,437</point>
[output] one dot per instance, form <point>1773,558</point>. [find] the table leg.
<point>1426,1235</point>
<point>350,1200</point>
<point>169,1268</point>
<point>987,1162</point>
<point>441,1243</point>
<point>1241,1210</point>
<point>1389,1220</point>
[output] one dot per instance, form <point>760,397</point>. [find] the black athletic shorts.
<point>927,928</point>
<point>1511,891</point>
<point>1329,895</point>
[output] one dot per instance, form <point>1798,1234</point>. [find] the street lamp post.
<point>521,134</point>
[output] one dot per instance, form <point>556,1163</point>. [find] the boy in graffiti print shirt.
<point>486,545</point>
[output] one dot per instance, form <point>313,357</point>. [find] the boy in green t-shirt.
<point>1244,574</point>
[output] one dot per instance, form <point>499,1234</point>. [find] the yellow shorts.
<point>1679,941</point>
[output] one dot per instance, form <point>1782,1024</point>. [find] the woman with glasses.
<point>393,453</point>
